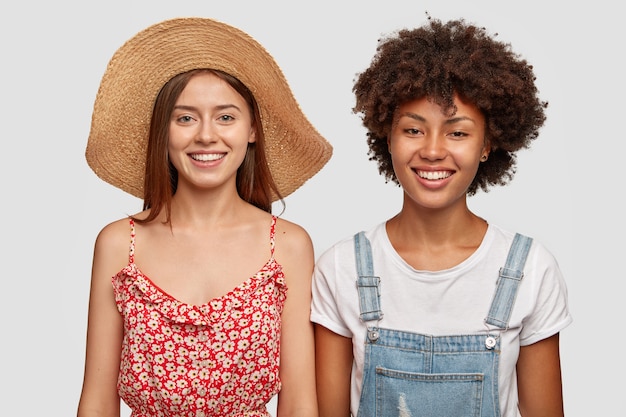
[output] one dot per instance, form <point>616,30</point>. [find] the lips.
<point>434,175</point>
<point>206,157</point>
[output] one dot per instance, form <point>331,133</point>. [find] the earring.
<point>483,158</point>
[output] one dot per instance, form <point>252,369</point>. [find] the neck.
<point>206,210</point>
<point>436,227</point>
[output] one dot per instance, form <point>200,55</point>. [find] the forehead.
<point>426,108</point>
<point>210,88</point>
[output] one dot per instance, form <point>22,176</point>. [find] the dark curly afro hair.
<point>436,61</point>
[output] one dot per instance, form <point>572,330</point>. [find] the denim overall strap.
<point>508,282</point>
<point>367,283</point>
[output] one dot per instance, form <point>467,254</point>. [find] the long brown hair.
<point>255,183</point>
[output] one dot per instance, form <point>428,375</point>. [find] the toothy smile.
<point>205,157</point>
<point>434,175</point>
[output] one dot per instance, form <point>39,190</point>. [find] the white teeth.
<point>434,175</point>
<point>204,157</point>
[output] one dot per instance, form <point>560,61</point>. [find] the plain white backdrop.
<point>567,191</point>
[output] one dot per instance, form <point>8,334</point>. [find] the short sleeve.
<point>324,305</point>
<point>550,311</point>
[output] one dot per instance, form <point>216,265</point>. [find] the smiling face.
<point>435,156</point>
<point>209,132</point>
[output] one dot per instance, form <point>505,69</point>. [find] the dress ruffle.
<point>132,280</point>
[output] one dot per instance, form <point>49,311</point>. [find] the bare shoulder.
<point>294,248</point>
<point>114,232</point>
<point>292,235</point>
<point>294,251</point>
<point>112,247</point>
<point>118,232</point>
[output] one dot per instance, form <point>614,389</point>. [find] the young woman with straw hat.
<point>206,312</point>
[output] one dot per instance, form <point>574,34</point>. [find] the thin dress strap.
<point>272,234</point>
<point>131,252</point>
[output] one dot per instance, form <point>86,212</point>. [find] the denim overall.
<point>409,374</point>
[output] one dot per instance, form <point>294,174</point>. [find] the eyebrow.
<point>219,107</point>
<point>453,120</point>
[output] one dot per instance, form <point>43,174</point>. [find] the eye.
<point>226,118</point>
<point>184,119</point>
<point>412,131</point>
<point>457,134</point>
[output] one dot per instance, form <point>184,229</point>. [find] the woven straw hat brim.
<point>117,144</point>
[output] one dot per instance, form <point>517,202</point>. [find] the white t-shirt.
<point>454,301</point>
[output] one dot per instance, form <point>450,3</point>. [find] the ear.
<point>486,147</point>
<point>252,136</point>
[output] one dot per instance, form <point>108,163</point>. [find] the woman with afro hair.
<point>451,315</point>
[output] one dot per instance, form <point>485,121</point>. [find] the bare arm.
<point>297,397</point>
<point>104,329</point>
<point>333,357</point>
<point>539,379</point>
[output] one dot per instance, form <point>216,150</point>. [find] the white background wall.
<point>567,192</point>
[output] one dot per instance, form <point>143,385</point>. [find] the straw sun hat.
<point>117,144</point>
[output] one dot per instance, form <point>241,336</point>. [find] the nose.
<point>206,132</point>
<point>433,147</point>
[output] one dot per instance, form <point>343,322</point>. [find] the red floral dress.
<point>216,359</point>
